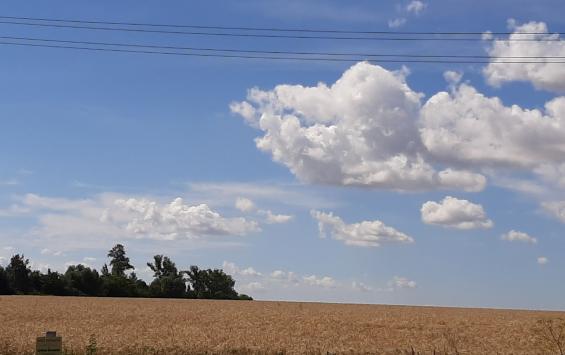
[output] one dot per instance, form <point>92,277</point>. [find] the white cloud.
<point>179,220</point>
<point>272,218</point>
<point>363,234</point>
<point>556,209</point>
<point>369,129</point>
<point>233,269</point>
<point>360,131</point>
<point>515,236</point>
<point>244,204</point>
<point>466,128</point>
<point>542,260</point>
<point>84,223</point>
<point>402,282</point>
<point>544,76</point>
<point>253,287</point>
<point>415,7</point>
<point>286,276</point>
<point>395,23</point>
<point>455,213</point>
<point>313,280</point>
<point>359,286</point>
<point>89,259</point>
<point>278,274</point>
<point>453,77</point>
<point>47,251</point>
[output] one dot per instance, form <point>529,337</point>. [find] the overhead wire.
<point>268,35</point>
<point>270,29</point>
<point>242,56</point>
<point>280,52</point>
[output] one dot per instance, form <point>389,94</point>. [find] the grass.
<point>158,326</point>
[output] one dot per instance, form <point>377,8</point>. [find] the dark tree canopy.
<point>119,261</point>
<point>168,282</point>
<point>80,280</point>
<point>19,273</point>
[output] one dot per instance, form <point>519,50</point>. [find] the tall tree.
<point>119,261</point>
<point>19,273</point>
<point>214,284</point>
<point>83,280</point>
<point>196,279</point>
<point>54,283</point>
<point>168,282</point>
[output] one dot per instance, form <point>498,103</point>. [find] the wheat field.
<point>159,326</point>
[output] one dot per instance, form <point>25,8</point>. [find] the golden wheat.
<point>199,326</point>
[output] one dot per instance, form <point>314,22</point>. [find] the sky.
<point>358,182</point>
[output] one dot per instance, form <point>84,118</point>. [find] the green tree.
<point>19,273</point>
<point>118,286</point>
<point>211,284</point>
<point>196,279</point>
<point>5,287</point>
<point>220,285</point>
<point>36,279</point>
<point>83,280</point>
<point>119,261</point>
<point>168,282</point>
<point>54,283</point>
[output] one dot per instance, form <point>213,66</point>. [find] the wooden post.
<point>50,344</point>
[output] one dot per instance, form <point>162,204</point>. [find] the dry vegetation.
<point>153,326</point>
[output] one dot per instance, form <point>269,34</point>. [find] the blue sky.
<point>96,148</point>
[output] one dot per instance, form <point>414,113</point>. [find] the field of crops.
<point>125,326</point>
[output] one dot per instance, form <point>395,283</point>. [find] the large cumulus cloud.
<point>362,131</point>
<point>546,76</point>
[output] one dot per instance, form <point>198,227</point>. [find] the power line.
<point>263,35</point>
<point>269,29</point>
<point>279,52</point>
<point>238,56</point>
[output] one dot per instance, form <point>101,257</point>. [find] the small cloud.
<point>397,22</point>
<point>515,236</point>
<point>359,286</point>
<point>402,282</point>
<point>286,276</point>
<point>47,251</point>
<point>452,77</point>
<point>542,260</point>
<point>233,269</point>
<point>325,282</point>
<point>455,213</point>
<point>361,234</point>
<point>244,204</point>
<point>253,287</point>
<point>89,259</point>
<point>415,7</point>
<point>272,218</point>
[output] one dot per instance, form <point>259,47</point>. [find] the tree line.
<point>118,280</point>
